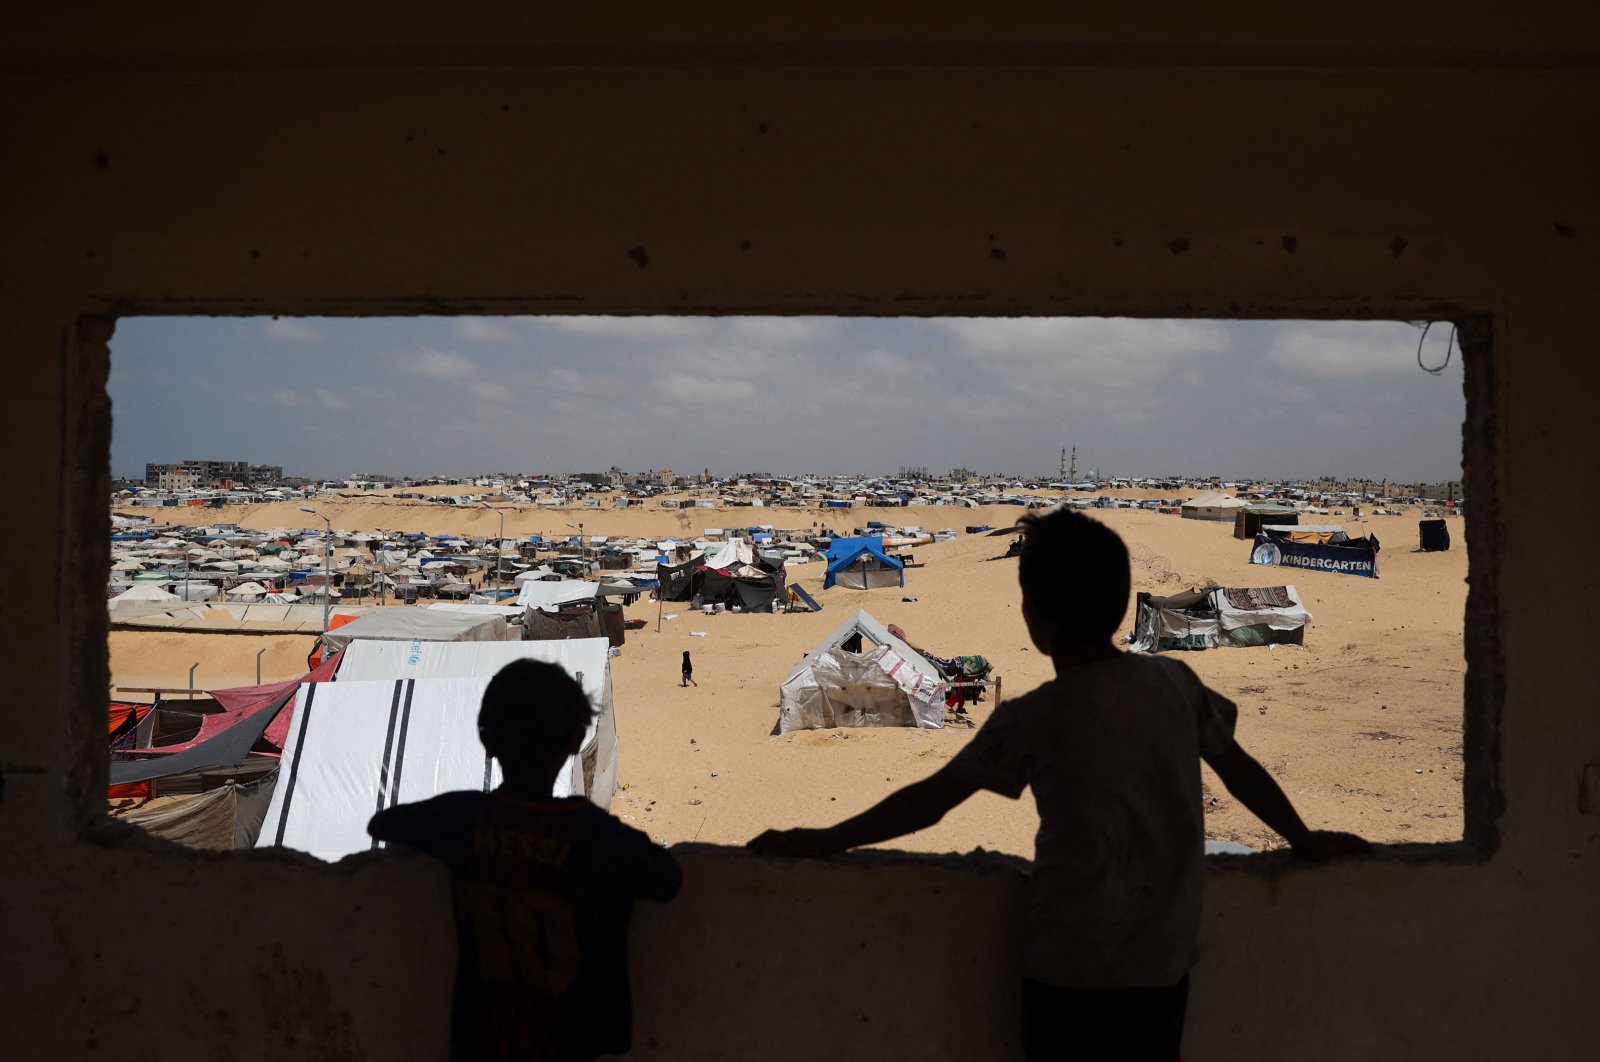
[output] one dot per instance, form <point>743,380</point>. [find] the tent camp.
<point>421,625</point>
<point>1219,616</point>
<point>1212,505</point>
<point>861,675</point>
<point>861,564</point>
<point>400,725</point>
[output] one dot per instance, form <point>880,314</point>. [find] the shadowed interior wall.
<point>406,159</point>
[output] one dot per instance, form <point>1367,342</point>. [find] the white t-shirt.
<point>1112,750</point>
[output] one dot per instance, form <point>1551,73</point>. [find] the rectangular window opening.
<point>697,484</point>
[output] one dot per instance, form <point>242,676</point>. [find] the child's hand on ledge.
<point>814,843</point>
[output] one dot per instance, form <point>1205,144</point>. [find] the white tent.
<point>861,675</point>
<point>421,625</point>
<point>142,594</point>
<point>1212,505</point>
<point>555,594</point>
<point>400,724</point>
<point>246,592</point>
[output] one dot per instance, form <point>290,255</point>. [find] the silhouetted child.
<point>688,671</point>
<point>543,886</point>
<point>1112,748</point>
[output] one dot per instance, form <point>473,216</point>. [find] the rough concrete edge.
<point>82,679</point>
<point>1483,794</point>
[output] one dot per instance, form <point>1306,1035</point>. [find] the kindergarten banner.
<point>1341,560</point>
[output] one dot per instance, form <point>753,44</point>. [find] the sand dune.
<point>1346,723</point>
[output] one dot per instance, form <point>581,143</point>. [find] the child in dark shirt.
<point>543,886</point>
<point>1111,748</point>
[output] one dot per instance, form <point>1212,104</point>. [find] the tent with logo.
<point>400,725</point>
<point>1219,616</point>
<point>862,675</point>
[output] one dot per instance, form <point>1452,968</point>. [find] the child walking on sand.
<point>1112,748</point>
<point>543,886</point>
<point>688,671</point>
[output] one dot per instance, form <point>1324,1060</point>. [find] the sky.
<point>449,396</point>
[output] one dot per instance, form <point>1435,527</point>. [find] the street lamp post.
<point>499,548</point>
<point>327,566</point>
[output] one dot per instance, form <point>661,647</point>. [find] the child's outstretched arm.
<point>1250,783</point>
<point>915,807</point>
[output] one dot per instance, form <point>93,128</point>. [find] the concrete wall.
<point>1232,159</point>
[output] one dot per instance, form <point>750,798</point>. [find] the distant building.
<point>223,474</point>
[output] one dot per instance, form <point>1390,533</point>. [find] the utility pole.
<point>327,566</point>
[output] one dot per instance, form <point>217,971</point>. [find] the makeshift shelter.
<point>1212,505</point>
<point>1433,535</point>
<point>250,714</point>
<point>1248,519</point>
<point>862,565</point>
<point>1219,616</point>
<point>862,675</point>
<point>421,625</point>
<point>400,725</point>
<point>537,594</point>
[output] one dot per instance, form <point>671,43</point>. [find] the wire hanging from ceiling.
<point>1449,344</point>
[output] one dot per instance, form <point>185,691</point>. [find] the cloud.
<point>1330,348</point>
<point>286,398</point>
<point>329,400</point>
<point>442,365</point>
<point>648,329</point>
<point>291,330</point>
<point>486,330</point>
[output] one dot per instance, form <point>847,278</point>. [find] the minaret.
<point>1072,476</point>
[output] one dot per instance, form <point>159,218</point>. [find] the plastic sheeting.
<point>406,625</point>
<point>552,595</point>
<point>886,684</point>
<point>1203,619</point>
<point>357,747</point>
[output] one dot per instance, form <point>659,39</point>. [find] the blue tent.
<point>863,566</point>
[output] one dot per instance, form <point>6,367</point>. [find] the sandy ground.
<point>1361,726</point>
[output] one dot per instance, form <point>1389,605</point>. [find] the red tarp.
<point>125,719</point>
<point>244,702</point>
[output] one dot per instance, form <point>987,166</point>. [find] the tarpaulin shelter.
<point>863,566</point>
<point>225,738</point>
<point>425,625</point>
<point>400,725</point>
<point>675,582</point>
<point>1248,520</point>
<point>1219,616</point>
<point>1433,535</point>
<point>539,594</point>
<point>862,675</point>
